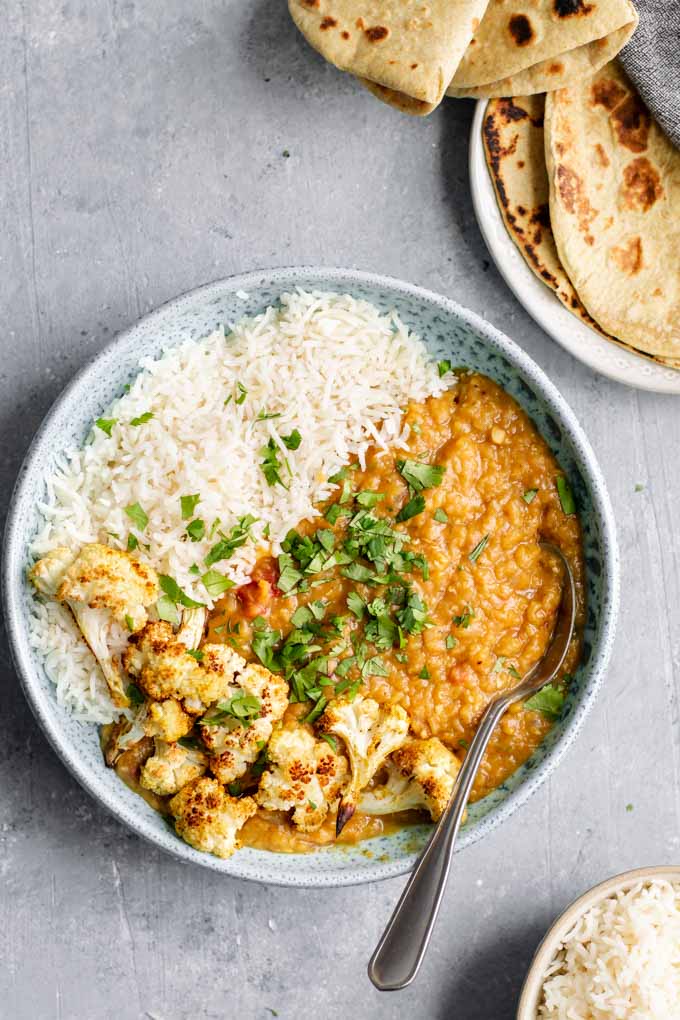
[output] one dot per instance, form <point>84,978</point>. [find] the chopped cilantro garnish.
<point>443,367</point>
<point>264,642</point>
<point>369,499</point>
<point>167,610</point>
<point>548,700</point>
<point>137,515</point>
<point>413,617</point>
<point>514,672</point>
<point>235,789</point>
<point>292,441</point>
<point>478,549</point>
<point>356,604</point>
<point>415,506</point>
<point>629,807</point>
<point>196,530</point>
<point>465,618</point>
<point>242,393</point>
<point>639,487</point>
<point>129,623</point>
<point>420,476</point>
<point>132,542</point>
<point>264,416</point>
<point>170,587</point>
<point>566,495</point>
<point>339,476</point>
<point>463,743</point>
<point>288,575</point>
<point>244,708</point>
<point>424,673</point>
<point>529,495</point>
<point>441,516</point>
<point>106,424</point>
<point>238,536</point>
<point>451,641</point>
<point>135,696</point>
<point>196,654</point>
<point>143,419</point>
<point>271,464</point>
<point>498,664</point>
<point>215,583</point>
<point>331,741</point>
<point>357,572</point>
<point>188,505</point>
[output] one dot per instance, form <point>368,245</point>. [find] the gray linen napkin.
<point>652,61</point>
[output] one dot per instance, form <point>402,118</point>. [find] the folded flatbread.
<point>614,183</point>
<point>528,46</point>
<point>404,50</point>
<point>513,136</point>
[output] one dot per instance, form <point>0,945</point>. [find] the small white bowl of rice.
<point>614,954</point>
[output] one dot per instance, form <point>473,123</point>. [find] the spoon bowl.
<point>400,952</point>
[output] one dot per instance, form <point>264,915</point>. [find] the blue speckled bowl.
<point>449,331</point>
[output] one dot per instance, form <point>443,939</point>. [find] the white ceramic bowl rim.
<point>546,949</point>
<point>43,706</point>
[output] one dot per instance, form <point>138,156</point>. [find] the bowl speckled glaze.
<point>449,331</point>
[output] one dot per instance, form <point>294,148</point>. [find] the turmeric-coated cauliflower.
<point>171,767</point>
<point>164,669</point>
<point>235,731</point>
<point>167,720</point>
<point>307,775</point>
<point>108,592</point>
<point>370,733</point>
<point>421,775</point>
<point>208,818</point>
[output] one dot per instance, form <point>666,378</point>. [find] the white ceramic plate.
<point>540,302</point>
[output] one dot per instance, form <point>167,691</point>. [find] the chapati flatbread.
<point>614,183</point>
<point>554,72</point>
<point>541,44</point>
<point>513,138</point>
<point>406,52</point>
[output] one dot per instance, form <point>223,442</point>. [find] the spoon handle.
<point>399,953</point>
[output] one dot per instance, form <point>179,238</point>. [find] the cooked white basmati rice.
<point>332,367</point>
<point>620,961</point>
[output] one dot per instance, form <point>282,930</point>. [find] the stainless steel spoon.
<point>401,949</point>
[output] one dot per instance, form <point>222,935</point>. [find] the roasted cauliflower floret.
<point>164,669</point>
<point>102,578</point>
<point>108,592</point>
<point>167,720</point>
<point>370,733</point>
<point>421,775</point>
<point>307,775</point>
<point>171,767</point>
<point>235,731</point>
<point>208,818</point>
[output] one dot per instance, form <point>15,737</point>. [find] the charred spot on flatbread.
<point>628,257</point>
<point>376,33</point>
<point>327,23</point>
<point>601,156</point>
<point>572,8</point>
<point>607,93</point>
<point>575,200</point>
<point>631,122</point>
<point>520,29</point>
<point>641,186</point>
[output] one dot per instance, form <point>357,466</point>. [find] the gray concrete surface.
<point>148,147</point>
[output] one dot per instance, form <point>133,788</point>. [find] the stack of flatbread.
<point>410,53</point>
<point>589,189</point>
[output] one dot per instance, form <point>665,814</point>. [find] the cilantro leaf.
<point>548,700</point>
<point>215,583</point>
<point>292,441</point>
<point>137,515</point>
<point>271,464</point>
<point>196,530</point>
<point>356,604</point>
<point>566,495</point>
<point>170,587</point>
<point>188,505</point>
<point>529,495</point>
<point>167,610</point>
<point>420,476</point>
<point>465,618</point>
<point>143,419</point>
<point>238,536</point>
<point>443,367</point>
<point>369,499</point>
<point>415,506</point>
<point>106,424</point>
<point>242,393</point>
<point>479,549</point>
